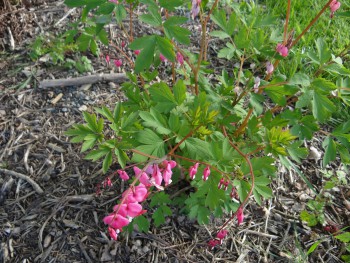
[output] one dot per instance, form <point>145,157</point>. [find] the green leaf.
<point>203,215</point>
<point>155,120</point>
<point>323,85</point>
<point>160,198</point>
<point>313,247</point>
<point>142,223</point>
<point>337,69</point>
<point>304,99</point>
<point>145,58</point>
<point>170,4</point>
<point>91,121</point>
<point>300,79</point>
<point>179,92</point>
<point>106,8</point>
<point>324,54</point>
<point>96,154</point>
<point>122,157</point>
<point>310,219</point>
<point>330,151</point>
<point>242,187</point>
<point>166,48</point>
<point>105,112</point>
<point>297,152</point>
<point>75,3</point>
<point>107,162</point>
<point>103,37</point>
<point>148,136</point>
<point>227,52</point>
<point>256,102</point>
<point>120,13</point>
<point>172,30</point>
<point>344,237</point>
<point>278,93</point>
<point>160,213</point>
<point>162,94</point>
<point>322,107</point>
<point>83,41</point>
<point>174,123</point>
<point>219,18</point>
<point>219,34</point>
<point>150,19</point>
<point>88,143</point>
<point>241,39</point>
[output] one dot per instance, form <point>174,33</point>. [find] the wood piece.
<point>35,186</point>
<point>79,81</point>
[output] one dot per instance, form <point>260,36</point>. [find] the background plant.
<point>238,123</point>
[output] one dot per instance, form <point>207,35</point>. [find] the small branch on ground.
<point>36,187</point>
<point>79,81</point>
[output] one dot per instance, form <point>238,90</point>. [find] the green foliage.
<point>236,125</point>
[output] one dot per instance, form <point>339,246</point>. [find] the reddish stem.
<point>245,156</point>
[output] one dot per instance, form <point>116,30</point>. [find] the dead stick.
<point>36,187</point>
<point>91,79</point>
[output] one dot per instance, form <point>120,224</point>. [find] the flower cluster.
<point>218,240</point>
<point>193,171</point>
<point>130,206</point>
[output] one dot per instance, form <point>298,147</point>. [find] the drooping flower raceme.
<point>130,207</point>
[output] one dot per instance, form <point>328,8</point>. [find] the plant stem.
<point>313,21</point>
<point>204,163</point>
<point>287,21</point>
<point>131,37</point>
<point>251,171</point>
<point>204,23</point>
<point>183,139</point>
<point>123,53</point>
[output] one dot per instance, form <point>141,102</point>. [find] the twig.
<point>36,187</point>
<point>65,16</point>
<point>83,250</point>
<point>258,233</point>
<point>79,81</point>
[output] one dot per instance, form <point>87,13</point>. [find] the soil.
<point>52,201</point>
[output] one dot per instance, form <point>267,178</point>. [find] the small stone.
<point>47,241</point>
<point>50,94</point>
<point>64,109</point>
<point>2,112</point>
<point>145,249</point>
<point>304,197</point>
<point>83,108</point>
<point>112,85</point>
<point>138,242</point>
<point>86,87</point>
<point>86,98</point>
<point>277,217</point>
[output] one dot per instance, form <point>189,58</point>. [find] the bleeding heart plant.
<point>222,132</point>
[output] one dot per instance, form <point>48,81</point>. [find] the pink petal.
<point>134,209</point>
